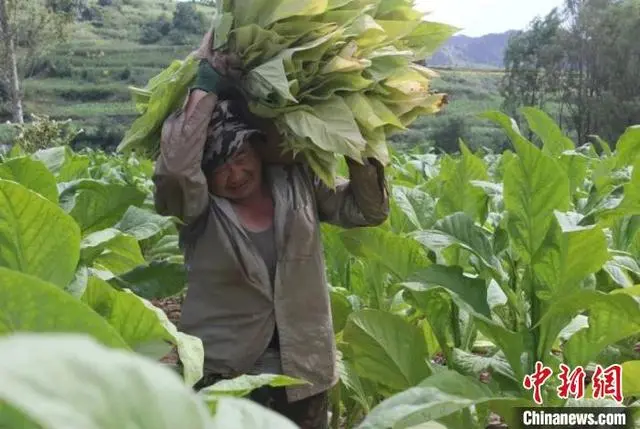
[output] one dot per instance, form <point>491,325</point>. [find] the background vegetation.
<point>522,247</point>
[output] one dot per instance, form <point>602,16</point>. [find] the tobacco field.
<point>487,264</point>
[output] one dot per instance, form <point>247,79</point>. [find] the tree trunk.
<point>12,61</point>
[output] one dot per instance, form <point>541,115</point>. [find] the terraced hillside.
<point>87,79</point>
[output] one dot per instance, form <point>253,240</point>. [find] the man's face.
<point>240,177</point>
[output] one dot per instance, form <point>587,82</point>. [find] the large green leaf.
<point>353,384</point>
<point>369,114</point>
<point>120,255</point>
<point>570,254</point>
<point>534,186</point>
<point>340,310</point>
<point>245,384</point>
<point>190,348</point>
<point>63,163</point>
<point>401,255</point>
<point>628,147</point>
<point>436,304</point>
<point>167,92</point>
<point>631,378</point>
<point>386,348</point>
<point>97,205</point>
<point>141,324</point>
<point>385,61</point>
<point>428,37</point>
<point>28,304</point>
<point>577,167</point>
<point>92,245</point>
<point>36,236</point>
<point>470,295</point>
<point>620,268</point>
<point>411,209</point>
<point>439,396</point>
<point>65,381</point>
<point>612,317</point>
<point>458,194</point>
<point>266,13</point>
<point>31,174</point>
<point>164,248</point>
<point>157,280</point>
<point>331,127</point>
<point>474,365</point>
<point>459,229</point>
<point>472,290</point>
<point>553,139</point>
<point>143,224</point>
<point>629,204</point>
<point>267,78</point>
<point>136,324</point>
<point>241,413</point>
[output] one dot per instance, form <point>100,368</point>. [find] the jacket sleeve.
<point>361,201</point>
<point>181,188</point>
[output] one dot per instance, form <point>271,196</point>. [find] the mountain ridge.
<point>462,51</point>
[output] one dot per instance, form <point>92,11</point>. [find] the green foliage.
<point>44,133</point>
<point>187,19</point>
<point>581,64</point>
<point>79,225</point>
<point>532,64</point>
<point>521,273</point>
<point>486,265</point>
<point>131,388</point>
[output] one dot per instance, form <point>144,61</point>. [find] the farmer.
<point>257,292</point>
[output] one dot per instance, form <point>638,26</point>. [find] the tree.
<point>582,65</point>
<point>187,19</point>
<point>602,87</point>
<point>27,29</point>
<point>533,65</point>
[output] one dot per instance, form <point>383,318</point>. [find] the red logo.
<point>605,382</point>
<point>572,382</point>
<point>536,380</point>
<point>608,382</point>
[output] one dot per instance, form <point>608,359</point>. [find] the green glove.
<point>207,78</point>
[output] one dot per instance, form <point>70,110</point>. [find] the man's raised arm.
<point>361,201</point>
<point>181,186</point>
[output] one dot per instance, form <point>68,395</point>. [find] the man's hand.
<point>225,64</point>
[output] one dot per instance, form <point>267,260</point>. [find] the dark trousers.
<point>308,413</point>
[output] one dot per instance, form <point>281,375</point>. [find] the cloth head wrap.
<point>226,134</point>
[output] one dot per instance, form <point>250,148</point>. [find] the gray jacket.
<point>229,303</point>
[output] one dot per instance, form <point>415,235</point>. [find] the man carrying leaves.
<point>257,292</point>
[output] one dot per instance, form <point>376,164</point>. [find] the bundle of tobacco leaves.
<point>336,76</point>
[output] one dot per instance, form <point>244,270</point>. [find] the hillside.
<point>472,52</point>
<point>87,79</point>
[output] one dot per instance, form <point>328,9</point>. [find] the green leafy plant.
<point>77,247</point>
<point>487,265</point>
<point>43,133</point>
<point>517,267</point>
<point>54,381</point>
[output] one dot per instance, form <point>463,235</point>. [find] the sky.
<point>479,17</point>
